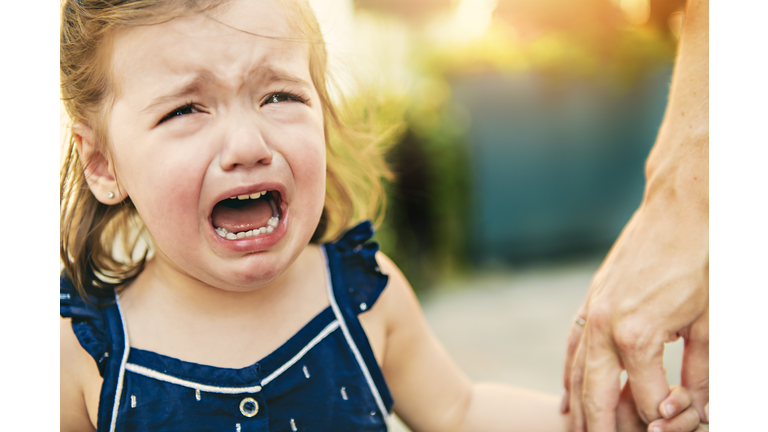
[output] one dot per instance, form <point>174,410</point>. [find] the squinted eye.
<point>180,111</point>
<point>283,97</point>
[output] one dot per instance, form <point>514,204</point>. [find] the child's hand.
<point>677,413</point>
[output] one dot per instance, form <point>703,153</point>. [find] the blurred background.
<point>517,131</point>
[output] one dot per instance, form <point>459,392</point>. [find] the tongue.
<point>254,214</point>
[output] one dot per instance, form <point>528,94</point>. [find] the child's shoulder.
<point>85,321</point>
<point>81,336</point>
<point>374,287</point>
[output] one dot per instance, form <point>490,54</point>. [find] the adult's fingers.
<point>642,354</point>
<point>602,383</point>
<point>578,421</point>
<point>695,372</point>
<point>574,338</point>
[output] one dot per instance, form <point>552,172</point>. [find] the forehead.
<point>226,43</point>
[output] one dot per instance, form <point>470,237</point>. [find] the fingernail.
<point>564,403</point>
<point>669,410</point>
<point>706,412</point>
<point>656,429</point>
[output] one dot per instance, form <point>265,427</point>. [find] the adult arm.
<point>653,286</point>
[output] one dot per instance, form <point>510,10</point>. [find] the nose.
<point>244,144</point>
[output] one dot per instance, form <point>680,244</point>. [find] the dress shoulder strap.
<point>356,282</point>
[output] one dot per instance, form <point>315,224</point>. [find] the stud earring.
<point>111,195</point>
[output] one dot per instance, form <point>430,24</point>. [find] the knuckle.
<point>628,338</point>
<point>577,371</point>
<point>577,381</point>
<point>600,317</point>
<point>577,378</point>
<point>633,338</point>
<point>593,406</point>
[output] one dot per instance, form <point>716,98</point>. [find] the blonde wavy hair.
<point>101,245</point>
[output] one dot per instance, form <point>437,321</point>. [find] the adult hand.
<point>653,286</point>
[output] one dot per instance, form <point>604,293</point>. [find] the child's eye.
<point>283,97</point>
<point>180,111</point>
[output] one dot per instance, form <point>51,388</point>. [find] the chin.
<point>258,272</point>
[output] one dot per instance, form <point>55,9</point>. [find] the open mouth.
<point>247,215</point>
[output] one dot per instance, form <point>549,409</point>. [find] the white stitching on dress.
<point>326,331</point>
<point>121,372</point>
<point>141,370</point>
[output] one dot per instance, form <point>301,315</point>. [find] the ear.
<point>98,167</point>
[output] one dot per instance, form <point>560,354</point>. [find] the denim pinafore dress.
<point>324,378</point>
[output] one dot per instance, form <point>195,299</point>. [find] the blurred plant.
<point>425,232</point>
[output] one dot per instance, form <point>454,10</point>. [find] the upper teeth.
<point>251,196</point>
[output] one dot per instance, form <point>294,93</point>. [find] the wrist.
<point>678,176</point>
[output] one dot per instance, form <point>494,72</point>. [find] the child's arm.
<point>432,394</point>
<point>74,365</point>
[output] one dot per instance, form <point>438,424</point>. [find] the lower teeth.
<point>271,226</point>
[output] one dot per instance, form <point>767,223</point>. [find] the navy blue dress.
<point>324,378</point>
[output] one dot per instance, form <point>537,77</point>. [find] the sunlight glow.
<point>472,17</point>
<point>637,12</point>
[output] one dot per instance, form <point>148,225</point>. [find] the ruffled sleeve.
<point>87,322</point>
<point>360,271</point>
<point>357,283</point>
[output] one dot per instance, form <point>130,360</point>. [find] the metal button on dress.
<point>249,407</point>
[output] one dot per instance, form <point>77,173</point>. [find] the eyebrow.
<point>267,74</point>
<point>270,74</point>
<point>191,87</point>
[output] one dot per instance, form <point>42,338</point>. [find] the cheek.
<point>310,170</point>
<point>165,192</point>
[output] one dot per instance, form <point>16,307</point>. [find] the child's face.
<point>206,111</point>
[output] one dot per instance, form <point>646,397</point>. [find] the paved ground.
<point>511,326</point>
